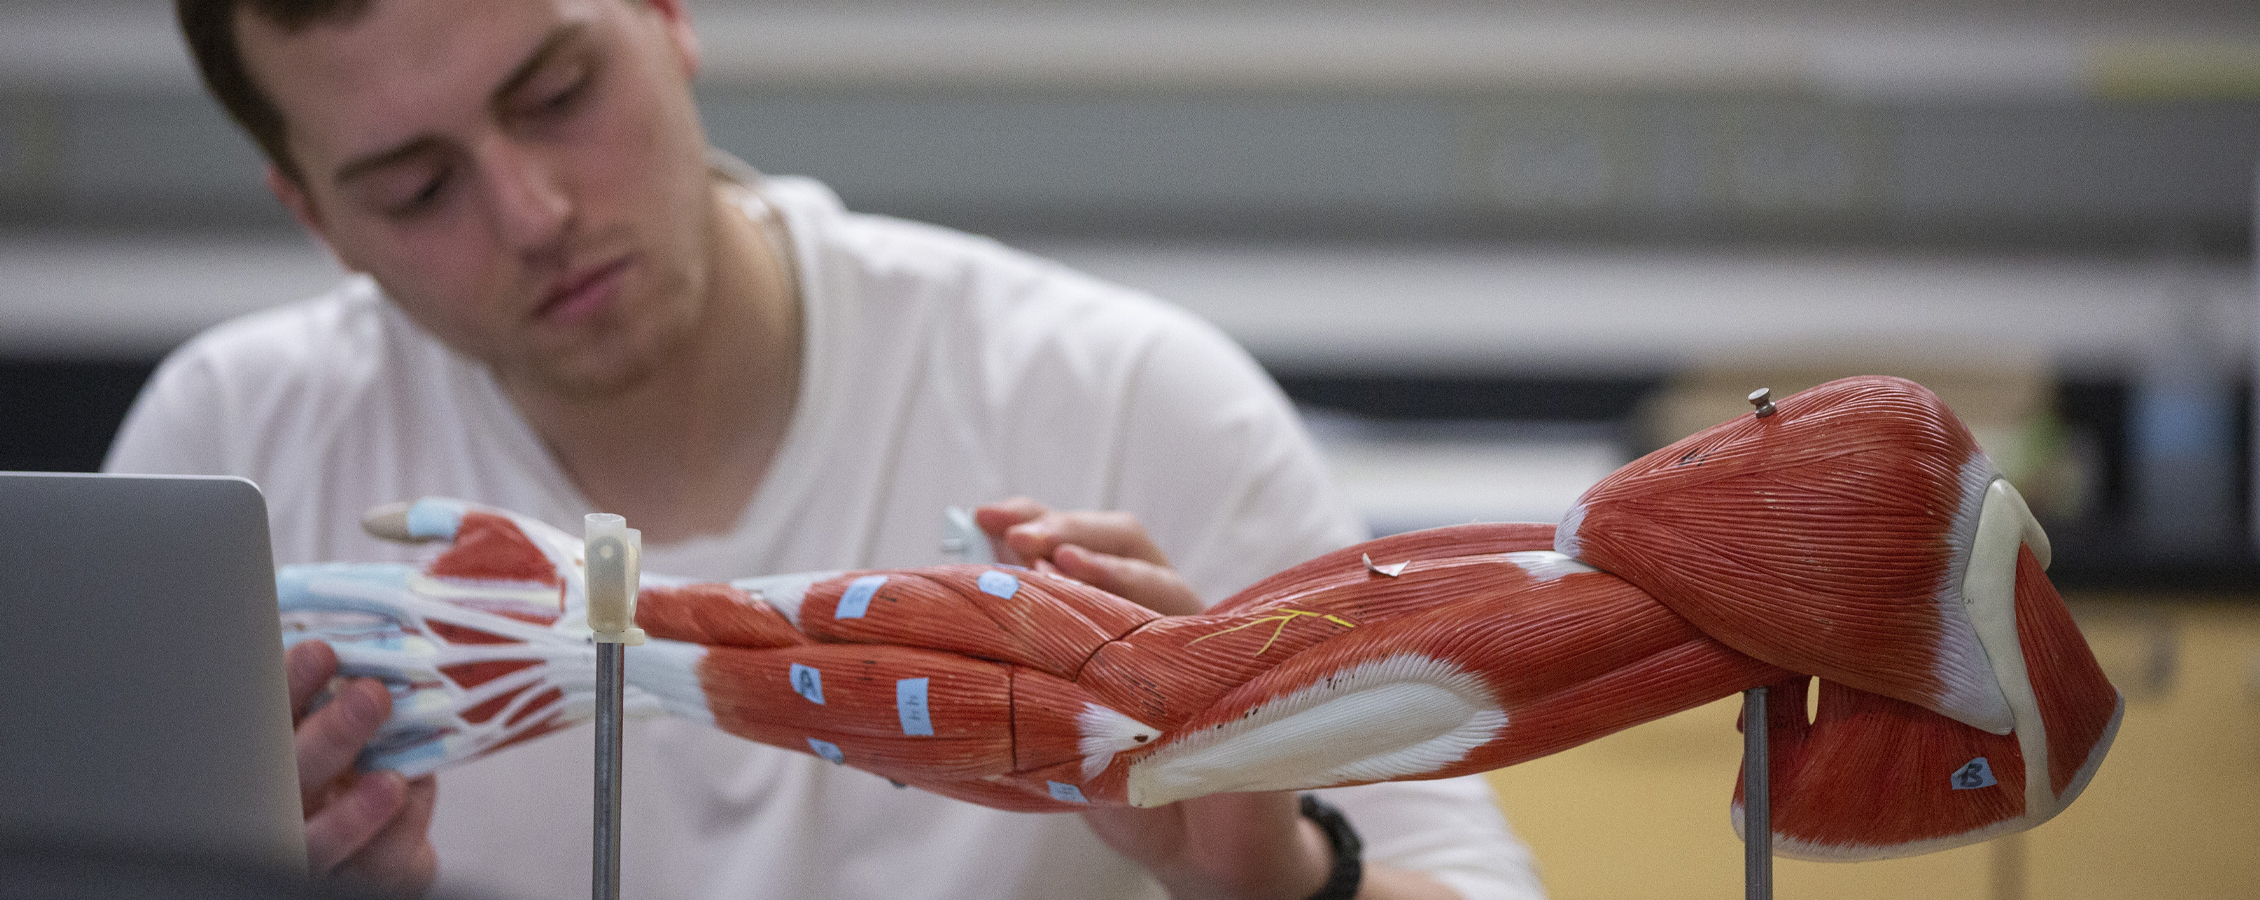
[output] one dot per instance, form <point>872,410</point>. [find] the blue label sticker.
<point>808,682</point>
<point>434,519</point>
<point>857,600</point>
<point>1066,793</point>
<point>999,584</point>
<point>910,705</point>
<point>1974,774</point>
<point>828,750</point>
<point>410,757</point>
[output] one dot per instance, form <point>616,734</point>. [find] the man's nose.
<point>527,200</point>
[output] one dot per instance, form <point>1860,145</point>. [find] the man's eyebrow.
<point>549,48</point>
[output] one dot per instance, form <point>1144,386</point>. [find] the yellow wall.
<point>2174,811</point>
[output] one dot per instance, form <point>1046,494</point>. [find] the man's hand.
<point>1106,550</point>
<point>1256,846</point>
<point>1237,846</point>
<point>370,826</point>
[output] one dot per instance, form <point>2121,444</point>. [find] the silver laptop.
<point>143,704</point>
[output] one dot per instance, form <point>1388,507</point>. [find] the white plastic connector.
<point>962,538</point>
<point>613,554</point>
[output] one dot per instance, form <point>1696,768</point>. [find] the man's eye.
<point>422,198</point>
<point>560,100</point>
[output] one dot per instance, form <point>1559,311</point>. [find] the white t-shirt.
<point>940,369</point>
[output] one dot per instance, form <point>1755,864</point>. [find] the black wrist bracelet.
<point>1349,868</point>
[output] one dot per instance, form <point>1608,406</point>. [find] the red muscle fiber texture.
<point>2077,704</point>
<point>1870,775</point>
<point>713,614</point>
<point>1825,543</point>
<point>488,546</point>
<point>1840,506</point>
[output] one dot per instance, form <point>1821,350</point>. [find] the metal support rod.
<point>2009,866</point>
<point>611,664</point>
<point>1757,799</point>
<point>612,552</point>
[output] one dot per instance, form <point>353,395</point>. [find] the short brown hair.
<point>209,26</point>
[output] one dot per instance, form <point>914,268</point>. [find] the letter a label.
<point>808,682</point>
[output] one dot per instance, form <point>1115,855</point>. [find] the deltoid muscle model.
<point>1855,539</point>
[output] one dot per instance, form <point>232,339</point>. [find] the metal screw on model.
<point>612,554</point>
<point>1757,772</point>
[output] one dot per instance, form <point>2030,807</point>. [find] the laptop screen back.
<point>142,696</point>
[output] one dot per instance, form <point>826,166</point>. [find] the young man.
<point>568,307</point>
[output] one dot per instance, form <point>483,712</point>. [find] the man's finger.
<point>352,819</point>
<point>1034,539</point>
<point>1118,533</point>
<point>329,738</point>
<point>997,518</point>
<point>307,667</point>
<point>1146,584</point>
<point>400,858</point>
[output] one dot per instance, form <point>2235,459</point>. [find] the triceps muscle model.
<point>1854,536</point>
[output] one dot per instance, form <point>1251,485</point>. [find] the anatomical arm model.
<point>1855,535</point>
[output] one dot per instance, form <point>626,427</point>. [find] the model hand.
<point>370,826</point>
<point>483,646</point>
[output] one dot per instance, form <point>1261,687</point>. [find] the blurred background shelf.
<point>1989,123</point>
<point>1469,381</point>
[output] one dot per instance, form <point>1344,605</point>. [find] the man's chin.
<point>587,378</point>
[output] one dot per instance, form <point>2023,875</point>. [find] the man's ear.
<point>677,21</point>
<point>294,198</point>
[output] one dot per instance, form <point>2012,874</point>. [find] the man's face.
<point>525,178</point>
